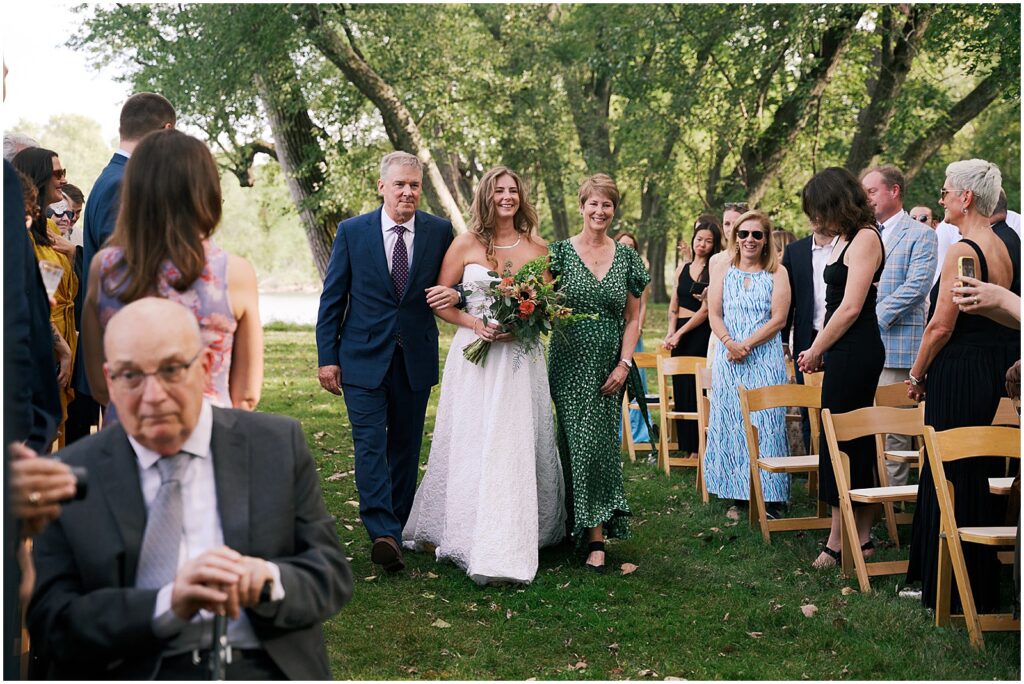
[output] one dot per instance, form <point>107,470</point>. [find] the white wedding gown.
<point>493,491</point>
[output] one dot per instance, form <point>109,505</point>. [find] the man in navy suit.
<point>376,341</point>
<point>805,262</point>
<point>142,113</point>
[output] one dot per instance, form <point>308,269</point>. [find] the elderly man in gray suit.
<point>194,510</point>
<point>902,308</point>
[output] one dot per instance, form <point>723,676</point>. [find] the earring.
<point>965,211</point>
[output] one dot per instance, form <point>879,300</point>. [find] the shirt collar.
<point>387,223</point>
<point>198,443</point>
<point>895,219</point>
<point>124,153</point>
<point>830,244</point>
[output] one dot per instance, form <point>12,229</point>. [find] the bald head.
<point>157,369</point>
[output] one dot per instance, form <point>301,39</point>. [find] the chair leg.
<point>757,502</point>
<point>944,586</point>
<point>890,523</point>
<point>627,431</point>
<point>851,546</point>
<point>703,474</point>
<point>963,585</point>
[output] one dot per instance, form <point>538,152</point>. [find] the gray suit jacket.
<point>87,614</point>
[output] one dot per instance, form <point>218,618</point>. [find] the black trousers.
<point>245,665</point>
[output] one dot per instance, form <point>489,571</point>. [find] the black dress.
<point>693,343</point>
<point>965,382</point>
<point>852,368</point>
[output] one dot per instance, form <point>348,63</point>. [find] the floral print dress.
<point>207,299</point>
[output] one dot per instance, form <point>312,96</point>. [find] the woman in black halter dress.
<point>965,380</point>
<point>688,336</point>
<point>850,342</point>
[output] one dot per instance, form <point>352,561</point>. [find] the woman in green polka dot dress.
<point>589,365</point>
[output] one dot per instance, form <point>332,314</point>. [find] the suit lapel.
<point>118,471</point>
<point>378,255</point>
<point>901,233</point>
<point>231,459</point>
<point>419,249</point>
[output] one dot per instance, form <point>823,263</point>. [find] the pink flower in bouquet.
<point>526,307</point>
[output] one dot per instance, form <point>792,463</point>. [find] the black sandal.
<point>591,547</point>
<point>836,556</point>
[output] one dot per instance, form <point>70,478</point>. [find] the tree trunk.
<point>551,176</point>
<point>302,160</point>
<point>590,106</point>
<point>650,215</point>
<point>398,121</point>
<point>764,156</point>
<point>943,130</point>
<point>896,60</point>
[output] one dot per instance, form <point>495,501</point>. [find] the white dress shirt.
<point>203,531</point>
<point>390,238</point>
<point>948,235</point>
<point>819,259</point>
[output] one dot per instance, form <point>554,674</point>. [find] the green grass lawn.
<point>709,599</point>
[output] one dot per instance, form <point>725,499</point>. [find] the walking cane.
<point>220,653</point>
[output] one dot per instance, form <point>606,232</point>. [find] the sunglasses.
<point>923,218</point>
<point>67,213</point>
<point>744,234</point>
<point>59,174</point>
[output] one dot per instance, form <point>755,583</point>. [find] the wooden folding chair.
<point>780,396</point>
<point>703,420</point>
<point>875,421</point>
<point>1006,413</point>
<point>895,396</point>
<point>955,445</point>
<point>668,367</point>
<point>643,361</point>
<point>814,379</point>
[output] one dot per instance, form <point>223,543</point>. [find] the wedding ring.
<point>976,300</point>
<point>34,497</point>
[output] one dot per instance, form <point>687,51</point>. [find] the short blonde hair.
<point>400,158</point>
<point>599,184</point>
<point>980,177</point>
<point>769,257</point>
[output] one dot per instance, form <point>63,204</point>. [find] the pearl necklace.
<point>514,244</point>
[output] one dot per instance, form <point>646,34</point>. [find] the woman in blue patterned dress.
<point>748,300</point>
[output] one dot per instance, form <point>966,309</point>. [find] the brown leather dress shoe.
<point>387,553</point>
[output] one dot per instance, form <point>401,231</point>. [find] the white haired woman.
<point>960,368</point>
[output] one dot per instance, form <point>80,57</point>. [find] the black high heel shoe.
<point>591,547</point>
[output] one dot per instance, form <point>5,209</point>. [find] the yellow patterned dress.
<point>62,315</point>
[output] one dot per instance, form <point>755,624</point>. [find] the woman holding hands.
<point>849,348</point>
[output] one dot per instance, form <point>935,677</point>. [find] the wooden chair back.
<point>950,446</point>
<point>669,366</point>
<point>643,361</point>
<point>1006,413</point>
<point>704,376</point>
<point>894,396</point>
<point>814,379</point>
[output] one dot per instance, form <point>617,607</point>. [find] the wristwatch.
<point>915,381</point>
<point>628,363</point>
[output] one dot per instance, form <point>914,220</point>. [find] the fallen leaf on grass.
<point>846,591</point>
<point>349,527</point>
<point>616,671</point>
<point>336,476</point>
<point>774,605</point>
<point>370,578</point>
<point>715,529</point>
<point>726,618</point>
<point>354,504</point>
<point>613,648</point>
<point>628,568</point>
<point>809,610</point>
<point>755,635</point>
<point>431,575</point>
<point>440,624</point>
<point>646,673</point>
<point>563,586</point>
<point>580,665</point>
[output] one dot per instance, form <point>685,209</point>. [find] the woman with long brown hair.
<point>492,494</point>
<point>161,246</point>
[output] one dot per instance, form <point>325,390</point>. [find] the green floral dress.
<point>579,362</point>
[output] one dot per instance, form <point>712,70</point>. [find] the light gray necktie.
<point>161,542</point>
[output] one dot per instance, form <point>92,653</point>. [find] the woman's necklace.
<point>514,244</point>
<point>596,256</point>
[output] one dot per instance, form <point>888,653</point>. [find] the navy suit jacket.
<point>100,217</point>
<point>86,612</point>
<point>799,267</point>
<point>360,311</point>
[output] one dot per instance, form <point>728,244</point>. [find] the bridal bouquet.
<point>525,305</point>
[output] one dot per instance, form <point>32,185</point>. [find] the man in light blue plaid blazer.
<point>911,254</point>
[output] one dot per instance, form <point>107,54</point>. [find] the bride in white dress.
<point>493,493</point>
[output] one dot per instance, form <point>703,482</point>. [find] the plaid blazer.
<point>902,308</point>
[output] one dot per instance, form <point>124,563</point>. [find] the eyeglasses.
<point>167,374</point>
<point>59,174</point>
<point>744,234</point>
<point>67,213</point>
<point>923,218</point>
